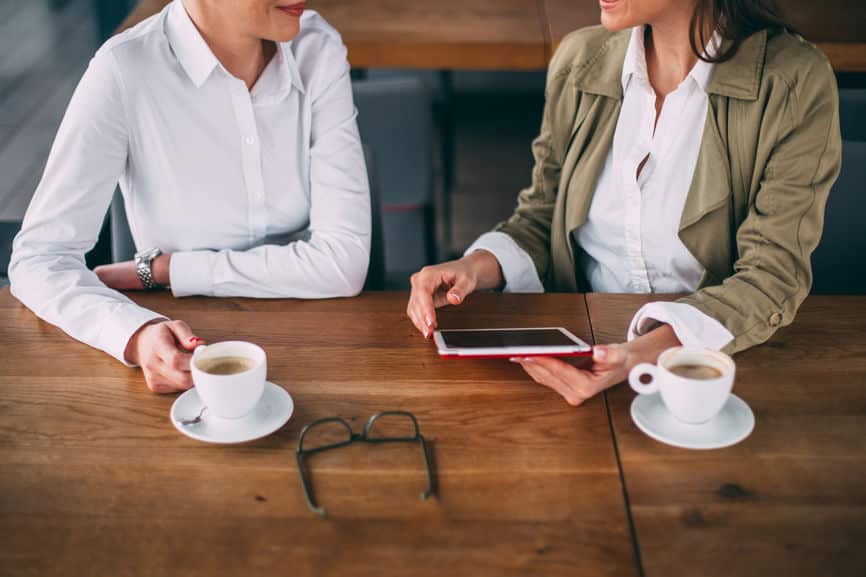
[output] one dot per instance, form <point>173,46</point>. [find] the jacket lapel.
<point>600,82</point>
<point>711,188</point>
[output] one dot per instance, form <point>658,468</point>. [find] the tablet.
<point>516,342</point>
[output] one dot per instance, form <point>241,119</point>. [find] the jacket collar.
<point>635,66</point>
<point>198,61</point>
<point>601,72</point>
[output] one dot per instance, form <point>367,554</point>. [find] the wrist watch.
<point>143,262</point>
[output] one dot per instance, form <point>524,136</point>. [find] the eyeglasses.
<point>347,437</point>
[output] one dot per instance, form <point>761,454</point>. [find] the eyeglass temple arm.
<point>431,489</point>
<point>308,490</point>
<point>299,455</point>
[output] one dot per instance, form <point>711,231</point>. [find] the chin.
<point>614,22</point>
<point>284,32</point>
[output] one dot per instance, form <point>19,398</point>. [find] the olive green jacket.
<point>770,152</point>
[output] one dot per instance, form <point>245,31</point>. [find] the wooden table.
<point>836,26</point>
<point>94,480</point>
<point>791,499</point>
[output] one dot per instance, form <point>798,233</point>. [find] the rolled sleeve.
<point>191,273</point>
<point>517,266</point>
<point>692,327</point>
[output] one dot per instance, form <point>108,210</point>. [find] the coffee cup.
<point>229,377</point>
<point>694,383</point>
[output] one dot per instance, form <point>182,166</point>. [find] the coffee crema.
<point>226,365</point>
<point>695,371</point>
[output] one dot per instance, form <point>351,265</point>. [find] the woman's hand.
<point>450,283</point>
<point>123,276</point>
<point>610,365</point>
<point>163,349</point>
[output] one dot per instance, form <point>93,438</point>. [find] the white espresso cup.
<point>234,395</point>
<point>691,400</point>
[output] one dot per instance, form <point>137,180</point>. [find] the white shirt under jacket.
<point>630,240</point>
<point>259,193</point>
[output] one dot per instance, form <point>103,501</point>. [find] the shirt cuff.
<point>517,267</point>
<point>126,319</point>
<point>692,327</point>
<point>190,273</point>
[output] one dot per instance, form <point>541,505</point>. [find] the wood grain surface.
<point>523,34</point>
<point>94,480</point>
<point>836,26</point>
<point>791,499</point>
<point>450,34</point>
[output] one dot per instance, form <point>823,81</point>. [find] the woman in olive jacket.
<point>687,146</point>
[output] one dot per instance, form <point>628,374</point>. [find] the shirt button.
<point>249,139</point>
<point>775,319</point>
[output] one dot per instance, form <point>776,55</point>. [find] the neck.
<point>244,56</point>
<point>668,50</point>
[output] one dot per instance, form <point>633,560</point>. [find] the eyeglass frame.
<point>363,437</point>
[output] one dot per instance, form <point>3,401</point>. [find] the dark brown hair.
<point>735,20</point>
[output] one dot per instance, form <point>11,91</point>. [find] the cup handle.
<point>639,371</point>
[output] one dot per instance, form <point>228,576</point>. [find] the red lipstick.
<point>293,9</point>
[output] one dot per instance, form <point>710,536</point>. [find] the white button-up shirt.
<point>630,239</point>
<point>257,193</point>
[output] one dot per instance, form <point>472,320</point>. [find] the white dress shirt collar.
<point>635,61</point>
<point>199,61</point>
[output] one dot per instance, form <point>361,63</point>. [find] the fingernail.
<point>600,353</point>
<point>514,360</point>
<point>455,296</point>
<point>194,339</point>
<point>429,320</point>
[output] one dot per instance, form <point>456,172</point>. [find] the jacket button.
<point>775,319</point>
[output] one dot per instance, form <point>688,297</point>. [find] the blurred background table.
<point>522,34</point>
<point>838,27</point>
<point>445,34</point>
<point>791,499</point>
<point>94,479</point>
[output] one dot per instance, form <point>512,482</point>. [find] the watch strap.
<point>145,274</point>
<point>144,268</point>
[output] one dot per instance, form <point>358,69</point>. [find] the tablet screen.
<point>506,338</point>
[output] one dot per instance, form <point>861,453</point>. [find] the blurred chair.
<point>852,114</point>
<point>8,230</point>
<point>839,262</point>
<point>123,247</point>
<point>376,270</point>
<point>396,120</point>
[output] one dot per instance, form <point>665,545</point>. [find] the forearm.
<point>322,267</point>
<point>488,273</point>
<point>647,348</point>
<point>61,291</point>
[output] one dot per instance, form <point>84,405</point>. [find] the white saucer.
<point>733,424</point>
<point>272,412</point>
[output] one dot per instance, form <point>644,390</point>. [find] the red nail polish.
<point>194,339</point>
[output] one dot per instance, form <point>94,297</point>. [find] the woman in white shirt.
<point>687,146</point>
<point>231,129</point>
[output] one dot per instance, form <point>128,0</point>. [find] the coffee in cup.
<point>692,371</point>
<point>694,383</point>
<point>226,365</point>
<point>229,377</point>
